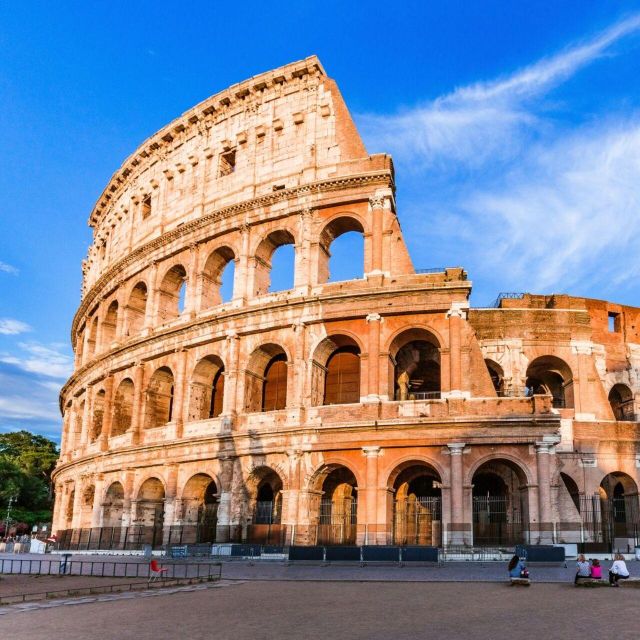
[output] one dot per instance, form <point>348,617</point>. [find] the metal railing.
<point>432,270</point>
<point>507,295</point>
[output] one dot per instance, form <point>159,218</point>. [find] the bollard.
<point>64,562</point>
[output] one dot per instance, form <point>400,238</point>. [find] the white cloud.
<point>44,360</point>
<point>486,121</point>
<point>7,268</point>
<point>26,408</point>
<point>10,327</point>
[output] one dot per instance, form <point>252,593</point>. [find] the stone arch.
<point>150,503</point>
<point>264,256</point>
<point>621,401</point>
<point>620,510</point>
<point>171,293</point>
<point>416,505</point>
<point>266,379</point>
<point>136,309</point>
<point>551,375</point>
<point>109,325</point>
<point>335,376</point>
<point>414,365</point>
<point>264,488</point>
<point>206,395</point>
<point>86,506</point>
<point>159,398</point>
<point>500,501</point>
<point>68,512</point>
<point>123,407</point>
<point>216,268</point>
<point>496,373</point>
<point>97,420</point>
<point>113,505</point>
<point>199,502</point>
<point>333,229</point>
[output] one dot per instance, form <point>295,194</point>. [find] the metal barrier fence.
<point>108,568</point>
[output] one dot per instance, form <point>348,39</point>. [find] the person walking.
<point>583,569</point>
<point>618,570</point>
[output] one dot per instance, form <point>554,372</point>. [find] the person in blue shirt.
<point>516,567</point>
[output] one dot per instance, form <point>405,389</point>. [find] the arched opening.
<point>207,389</point>
<point>275,273</point>
<point>80,345</point>
<point>497,376</point>
<point>335,377</point>
<point>200,508</point>
<point>572,489</point>
<point>150,504</point>
<point>92,337</point>
<point>266,379</point>
<point>341,251</point>
<point>172,294</point>
<point>136,309</point>
<point>122,408</point>
<point>159,399</point>
<point>98,415</point>
<point>551,375</point>
<point>113,506</point>
<point>417,505</point>
<point>415,358</point>
<point>621,401</point>
<point>68,513</point>
<point>500,504</point>
<point>86,506</point>
<point>78,422</point>
<point>218,274</point>
<point>338,513</point>
<point>266,507</point>
<point>620,510</point>
<point>109,325</point>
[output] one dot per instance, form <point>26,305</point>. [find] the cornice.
<point>142,252</point>
<point>198,120</point>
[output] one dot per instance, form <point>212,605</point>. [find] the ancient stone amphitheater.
<point>205,406</point>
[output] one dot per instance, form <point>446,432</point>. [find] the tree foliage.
<point>26,463</point>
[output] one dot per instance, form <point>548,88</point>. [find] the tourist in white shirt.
<point>618,570</point>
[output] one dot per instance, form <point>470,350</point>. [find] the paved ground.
<point>18,584</point>
<point>311,610</point>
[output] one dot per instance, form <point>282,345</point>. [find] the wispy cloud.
<point>11,327</point>
<point>486,121</point>
<point>41,359</point>
<point>543,203</point>
<point>7,268</point>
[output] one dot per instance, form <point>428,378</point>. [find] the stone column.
<point>170,497</point>
<point>456,528</point>
<point>377,214</point>
<point>128,503</point>
<point>545,524</point>
<point>241,277</point>
<point>77,503</point>
<point>456,315</point>
<point>290,496</point>
<point>190,309</point>
<point>373,392</point>
<point>152,299</point>
<point>179,388</point>
<point>303,250</point>
<point>224,504</point>
<point>297,397</point>
<point>96,514</point>
<point>371,453</point>
<point>86,416</point>
<point>137,411</point>
<point>107,416</point>
<point>232,371</point>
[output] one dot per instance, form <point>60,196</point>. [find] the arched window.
<point>218,277</point>
<point>122,408</point>
<point>159,401</point>
<point>341,250</point>
<point>274,390</point>
<point>98,415</point>
<point>207,389</point>
<point>415,355</point>
<point>497,376</point>
<point>551,375</point>
<point>172,294</point>
<point>268,497</point>
<point>275,272</point>
<point>150,503</point>
<point>109,325</point>
<point>113,506</point>
<point>136,309</point>
<point>621,401</point>
<point>92,336</point>
<point>342,380</point>
<point>338,517</point>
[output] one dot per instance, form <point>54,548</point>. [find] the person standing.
<point>618,570</point>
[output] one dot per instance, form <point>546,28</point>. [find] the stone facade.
<point>375,410</point>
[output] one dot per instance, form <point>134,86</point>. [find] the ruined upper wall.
<point>279,130</point>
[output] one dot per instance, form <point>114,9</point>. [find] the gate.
<point>337,525</point>
<point>418,521</point>
<point>611,521</point>
<point>493,524</point>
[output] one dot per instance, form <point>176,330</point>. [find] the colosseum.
<point>205,406</point>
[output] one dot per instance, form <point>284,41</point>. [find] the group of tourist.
<point>585,569</point>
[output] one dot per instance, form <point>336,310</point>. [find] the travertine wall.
<point>168,391</point>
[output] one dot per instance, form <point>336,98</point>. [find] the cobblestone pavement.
<point>357,611</point>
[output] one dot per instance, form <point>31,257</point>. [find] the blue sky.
<point>515,130</point>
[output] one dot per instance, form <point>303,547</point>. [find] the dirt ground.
<point>19,584</point>
<point>351,610</point>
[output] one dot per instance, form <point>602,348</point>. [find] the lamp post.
<point>7,520</point>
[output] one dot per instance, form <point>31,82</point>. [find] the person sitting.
<point>596,569</point>
<point>583,569</point>
<point>517,569</point>
<point>618,570</point>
